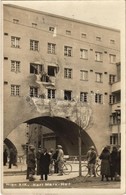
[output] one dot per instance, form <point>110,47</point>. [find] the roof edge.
<point>59,16</point>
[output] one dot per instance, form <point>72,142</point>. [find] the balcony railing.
<point>116,86</point>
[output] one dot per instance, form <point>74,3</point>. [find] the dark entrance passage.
<point>67,131</point>
<point>10,145</point>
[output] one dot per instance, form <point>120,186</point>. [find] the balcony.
<point>115,128</point>
<point>116,86</point>
<point>116,106</point>
<point>46,80</point>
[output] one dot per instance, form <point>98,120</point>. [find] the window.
<point>34,45</point>
<point>52,70</point>
<point>112,41</point>
<point>15,42</point>
<point>67,95</point>
<point>98,56</point>
<point>36,68</point>
<point>98,38</point>
<point>112,78</point>
<point>98,77</point>
<point>51,48</point>
<point>112,58</point>
<point>67,73</point>
<point>67,51</point>
<point>68,32</point>
<point>83,75</point>
<point>112,99</point>
<point>83,53</point>
<point>114,139</point>
<point>34,25</point>
<point>16,21</point>
<point>51,29</point>
<point>33,92</point>
<point>83,35</point>
<point>83,96</point>
<point>15,90</point>
<point>15,66</point>
<point>98,98</point>
<point>113,119</point>
<point>51,93</point>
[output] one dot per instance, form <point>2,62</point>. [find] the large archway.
<point>10,145</point>
<point>68,132</point>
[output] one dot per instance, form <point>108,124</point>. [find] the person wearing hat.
<point>60,159</point>
<point>91,158</point>
<point>31,163</point>
<point>44,164</point>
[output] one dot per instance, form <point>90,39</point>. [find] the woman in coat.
<point>105,164</point>
<point>44,164</point>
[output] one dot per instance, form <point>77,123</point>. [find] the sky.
<point>106,13</point>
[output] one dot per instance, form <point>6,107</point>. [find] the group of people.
<point>44,162</point>
<point>110,162</point>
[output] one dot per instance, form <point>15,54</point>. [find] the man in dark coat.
<point>44,164</point>
<point>5,155</point>
<point>11,158</point>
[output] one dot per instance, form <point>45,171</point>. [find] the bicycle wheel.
<point>84,169</point>
<point>67,168</point>
<point>98,170</point>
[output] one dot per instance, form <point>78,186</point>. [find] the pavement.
<point>16,178</point>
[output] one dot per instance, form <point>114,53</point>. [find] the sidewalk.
<point>18,174</point>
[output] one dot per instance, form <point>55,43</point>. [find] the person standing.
<point>60,159</point>
<point>11,158</point>
<point>91,157</point>
<point>5,155</point>
<point>38,156</point>
<point>44,164</point>
<point>118,167</point>
<point>113,164</point>
<point>31,163</point>
<point>55,155</point>
<point>105,163</point>
<point>51,166</point>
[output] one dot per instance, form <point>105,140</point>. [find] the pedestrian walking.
<point>44,164</point>
<point>31,163</point>
<point>60,159</point>
<point>113,162</point>
<point>5,156</point>
<point>105,164</point>
<point>38,156</point>
<point>11,158</point>
<point>91,158</point>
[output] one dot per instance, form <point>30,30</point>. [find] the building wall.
<point>16,106</point>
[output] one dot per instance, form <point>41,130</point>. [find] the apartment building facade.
<point>57,58</point>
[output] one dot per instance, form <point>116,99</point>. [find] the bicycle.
<point>84,169</point>
<point>67,168</point>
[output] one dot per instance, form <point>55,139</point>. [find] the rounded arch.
<point>10,145</point>
<point>68,132</point>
